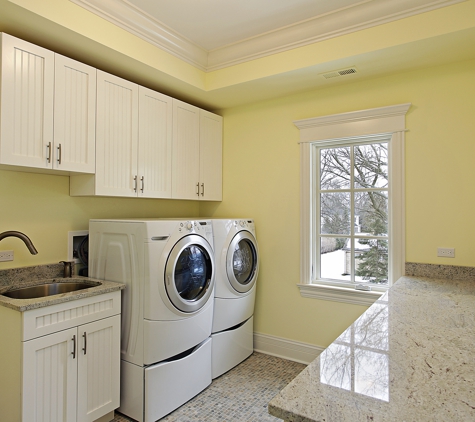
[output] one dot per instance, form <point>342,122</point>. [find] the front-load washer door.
<point>189,273</point>
<point>242,262</point>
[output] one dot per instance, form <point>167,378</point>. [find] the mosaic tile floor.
<point>240,395</point>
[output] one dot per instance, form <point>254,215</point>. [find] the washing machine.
<point>237,266</point>
<point>168,268</point>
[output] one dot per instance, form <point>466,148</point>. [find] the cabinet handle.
<point>48,159</point>
<point>85,342</point>
<point>135,184</point>
<point>202,189</point>
<point>74,347</point>
<point>59,154</point>
<point>143,183</point>
<point>198,188</point>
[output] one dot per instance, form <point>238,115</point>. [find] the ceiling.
<point>212,24</point>
<point>219,54</point>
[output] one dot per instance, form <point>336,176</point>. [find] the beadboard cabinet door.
<point>197,153</point>
<point>74,116</point>
<point>116,136</point>
<point>98,368</point>
<point>50,378</point>
<point>211,156</point>
<point>27,87</point>
<point>155,144</point>
<point>186,151</point>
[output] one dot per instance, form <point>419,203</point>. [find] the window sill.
<point>339,294</point>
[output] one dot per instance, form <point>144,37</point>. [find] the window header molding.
<point>355,123</point>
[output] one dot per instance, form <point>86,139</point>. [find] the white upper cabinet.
<point>155,144</point>
<point>74,116</point>
<point>116,136</point>
<point>197,153</point>
<point>112,136</point>
<point>133,142</point>
<point>48,109</point>
<point>186,151</point>
<point>26,104</point>
<point>211,156</point>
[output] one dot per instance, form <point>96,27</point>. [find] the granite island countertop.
<point>409,357</point>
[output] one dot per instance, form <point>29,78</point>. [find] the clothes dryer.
<point>169,271</point>
<point>237,267</point>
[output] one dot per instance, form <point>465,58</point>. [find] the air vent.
<point>341,72</point>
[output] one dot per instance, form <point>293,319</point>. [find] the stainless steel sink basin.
<point>49,289</point>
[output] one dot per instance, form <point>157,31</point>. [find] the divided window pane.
<point>353,228</point>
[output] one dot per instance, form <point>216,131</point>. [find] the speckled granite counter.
<point>409,357</point>
<point>31,276</point>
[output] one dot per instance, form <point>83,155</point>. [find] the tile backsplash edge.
<point>449,272</point>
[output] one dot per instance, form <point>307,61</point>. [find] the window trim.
<point>377,121</point>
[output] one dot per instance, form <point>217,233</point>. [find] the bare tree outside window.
<point>353,228</point>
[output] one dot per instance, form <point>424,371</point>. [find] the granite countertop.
<point>409,357</point>
<point>32,276</point>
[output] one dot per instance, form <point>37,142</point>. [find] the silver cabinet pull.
<point>74,347</point>
<point>48,159</point>
<point>135,184</point>
<point>202,189</point>
<point>143,183</point>
<point>59,154</point>
<point>85,342</point>
<point>198,188</point>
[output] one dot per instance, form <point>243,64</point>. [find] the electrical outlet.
<point>446,252</point>
<point>6,256</point>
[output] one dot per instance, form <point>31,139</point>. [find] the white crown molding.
<point>286,349</point>
<point>133,20</point>
<point>363,15</point>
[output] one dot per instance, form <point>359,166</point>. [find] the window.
<point>352,204</point>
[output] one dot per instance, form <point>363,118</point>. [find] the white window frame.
<point>373,122</point>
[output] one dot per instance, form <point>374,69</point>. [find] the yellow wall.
<point>261,155</point>
<point>261,180</point>
<point>39,205</point>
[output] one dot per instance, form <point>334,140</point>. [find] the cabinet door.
<point>211,156</point>
<point>186,151</point>
<point>155,144</point>
<point>27,86</point>
<point>98,368</point>
<point>116,136</point>
<point>50,378</point>
<point>74,116</point>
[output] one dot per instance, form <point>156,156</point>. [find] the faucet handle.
<point>68,268</point>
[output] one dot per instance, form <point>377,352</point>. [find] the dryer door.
<point>189,273</point>
<point>242,261</point>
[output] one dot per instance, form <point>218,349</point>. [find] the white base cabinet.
<point>68,361</point>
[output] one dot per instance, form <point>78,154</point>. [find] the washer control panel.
<point>203,227</point>
<point>244,224</point>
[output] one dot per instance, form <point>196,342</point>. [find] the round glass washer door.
<point>241,261</point>
<point>189,273</point>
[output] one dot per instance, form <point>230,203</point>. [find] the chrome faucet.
<point>21,236</point>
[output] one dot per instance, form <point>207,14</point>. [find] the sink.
<point>44,290</point>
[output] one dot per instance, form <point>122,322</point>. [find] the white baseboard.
<point>286,349</point>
